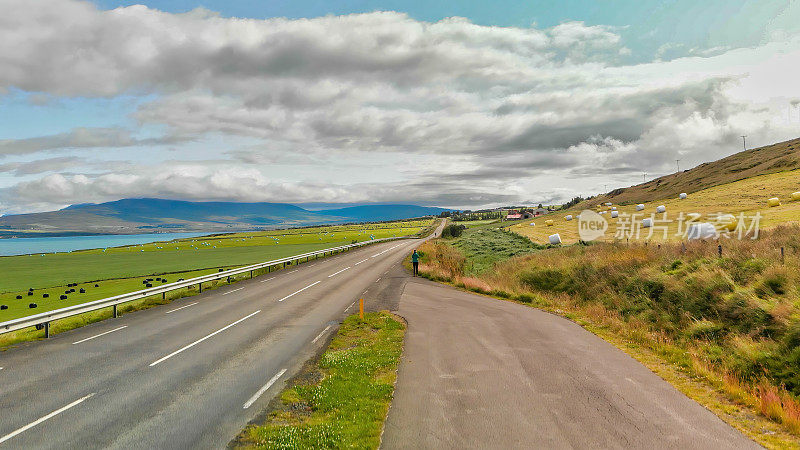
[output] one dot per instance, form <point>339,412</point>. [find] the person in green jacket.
<point>415,262</point>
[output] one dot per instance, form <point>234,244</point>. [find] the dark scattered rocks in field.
<point>19,297</point>
<point>82,291</point>
<point>96,285</point>
<point>45,295</point>
<point>3,306</point>
<point>30,293</point>
<point>148,285</point>
<point>32,305</point>
<point>63,297</point>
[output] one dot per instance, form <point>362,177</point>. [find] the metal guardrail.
<point>44,319</point>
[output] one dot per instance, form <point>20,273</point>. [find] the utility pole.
<point>678,163</point>
<point>644,175</point>
<point>744,141</point>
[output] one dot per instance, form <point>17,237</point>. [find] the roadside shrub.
<point>542,279</point>
<point>524,298</point>
<point>499,293</point>
<point>774,282</point>
<point>705,329</point>
<point>740,314</point>
<point>453,231</point>
<point>743,271</point>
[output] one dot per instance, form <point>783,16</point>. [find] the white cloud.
<point>477,101</point>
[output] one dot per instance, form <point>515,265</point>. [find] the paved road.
<point>190,374</point>
<point>484,373</point>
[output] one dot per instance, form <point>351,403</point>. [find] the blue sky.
<point>458,104</point>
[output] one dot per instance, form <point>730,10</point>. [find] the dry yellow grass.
<point>748,196</point>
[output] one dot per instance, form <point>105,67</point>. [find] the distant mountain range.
<point>146,215</point>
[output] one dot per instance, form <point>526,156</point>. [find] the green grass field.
<point>343,399</point>
<point>122,269</point>
<point>486,246</point>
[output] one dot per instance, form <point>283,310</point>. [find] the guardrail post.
<point>251,274</point>
<point>200,286</point>
<point>164,295</point>
<point>115,312</point>
<point>47,330</point>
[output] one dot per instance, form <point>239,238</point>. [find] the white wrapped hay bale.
<point>647,223</point>
<point>774,201</point>
<point>613,208</point>
<point>549,222</point>
<point>702,230</point>
<point>661,209</point>
<point>608,203</point>
<point>640,207</point>
<point>554,239</point>
<point>568,217</point>
<point>796,196</point>
<point>614,214</point>
<point>683,196</point>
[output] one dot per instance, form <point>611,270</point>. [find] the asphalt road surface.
<point>193,373</point>
<point>483,373</point>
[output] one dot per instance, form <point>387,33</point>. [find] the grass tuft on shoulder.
<point>340,400</point>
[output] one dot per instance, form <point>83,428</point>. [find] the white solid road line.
<point>333,274</point>
<point>297,292</point>
<point>263,389</point>
<point>101,334</point>
<point>178,309</point>
<point>379,279</point>
<point>38,421</point>
<point>320,335</point>
<point>232,291</point>
<point>203,338</point>
<point>390,248</point>
<point>360,262</point>
<point>351,305</point>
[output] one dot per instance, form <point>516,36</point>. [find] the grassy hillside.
<point>122,269</point>
<point>779,157</point>
<point>746,196</point>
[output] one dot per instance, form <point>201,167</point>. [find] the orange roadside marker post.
<point>361,308</point>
